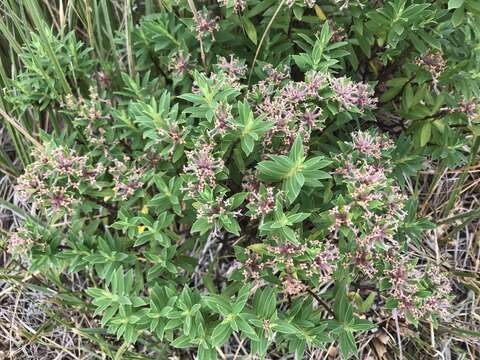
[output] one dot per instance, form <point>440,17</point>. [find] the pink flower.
<point>18,240</point>
<point>180,63</point>
<point>325,261</point>
<point>126,177</point>
<point>205,26</point>
<point>203,167</point>
<point>370,145</point>
<point>292,286</point>
<point>470,109</point>
<point>309,117</point>
<point>223,120</point>
<point>275,75</point>
<point>434,63</point>
<point>232,68</point>
<point>350,94</point>
<point>238,5</point>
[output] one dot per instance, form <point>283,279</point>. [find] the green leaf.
<point>275,169</point>
<point>245,328</point>
<point>397,82</point>
<point>237,199</point>
<point>298,12</point>
<point>458,15</point>
<point>218,304</point>
<point>455,4</point>
<point>250,30</point>
<point>181,342</point>
<point>265,302</point>
<point>320,44</point>
<point>206,353</point>
<point>347,343</point>
<point>292,186</point>
<point>289,234</point>
<point>201,225</point>
<point>342,308</point>
<point>368,302</point>
<point>284,327</point>
<point>297,154</point>
<point>242,298</point>
<point>220,334</point>
<point>231,225</point>
<point>425,133</point>
<point>248,144</point>
<point>238,158</point>
<point>361,325</point>
<point>295,218</point>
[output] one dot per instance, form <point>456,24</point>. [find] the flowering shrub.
<point>215,200</point>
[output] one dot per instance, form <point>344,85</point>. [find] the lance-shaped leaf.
<point>250,128</point>
<point>293,170</point>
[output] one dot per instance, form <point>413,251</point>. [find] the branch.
<point>320,301</point>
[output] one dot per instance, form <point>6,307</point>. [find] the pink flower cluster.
<point>180,63</point>
<point>404,286</point>
<point>171,134</point>
<point>89,114</point>
<point>232,68</point>
<point>18,240</point>
<point>438,302</point>
<point>228,76</point>
<point>127,178</point>
<point>252,266</point>
<point>405,279</point>
<point>372,211</point>
<point>261,200</point>
<point>293,286</point>
<point>341,216</point>
<point>367,176</point>
<point>296,265</point>
<point>203,167</point>
<point>352,95</point>
<point>204,26</point>
<point>470,108</point>
<point>370,144</point>
<point>290,106</point>
<point>434,63</point>
<point>223,120</point>
<point>371,182</point>
<point>53,180</point>
<point>238,5</point>
<point>212,210</point>
<point>372,193</point>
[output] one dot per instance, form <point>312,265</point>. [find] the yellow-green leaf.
<point>321,15</point>
<point>425,134</point>
<point>250,30</point>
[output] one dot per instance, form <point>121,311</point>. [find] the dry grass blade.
<point>262,39</point>
<point>21,129</point>
<point>29,331</point>
<point>128,40</point>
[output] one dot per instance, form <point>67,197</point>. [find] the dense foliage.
<point>242,168</point>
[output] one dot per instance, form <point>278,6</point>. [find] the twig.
<point>191,4</point>
<point>399,339</point>
<point>320,301</point>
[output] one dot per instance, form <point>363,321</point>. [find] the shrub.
<point>206,199</point>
